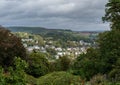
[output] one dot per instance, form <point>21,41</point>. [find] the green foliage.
<point>36,39</point>
<point>64,36</point>
<point>64,39</point>
<point>71,44</point>
<point>39,39</point>
<point>102,60</point>
<point>59,78</point>
<point>61,64</point>
<point>38,64</point>
<point>115,72</point>
<point>35,30</point>
<point>105,58</point>
<point>113,13</point>
<point>103,80</point>
<point>64,63</point>
<point>31,80</point>
<point>99,80</point>
<point>16,75</point>
<point>109,41</point>
<point>109,48</point>
<point>2,77</point>
<point>51,51</point>
<point>9,46</point>
<point>54,66</point>
<point>87,65</point>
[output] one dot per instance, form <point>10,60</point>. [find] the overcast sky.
<point>59,14</point>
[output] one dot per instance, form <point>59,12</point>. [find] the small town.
<point>72,51</point>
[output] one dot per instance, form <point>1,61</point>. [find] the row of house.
<point>70,51</point>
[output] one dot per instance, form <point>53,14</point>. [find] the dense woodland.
<point>98,66</point>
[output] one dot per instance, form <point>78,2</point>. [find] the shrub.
<point>59,78</point>
<point>99,80</point>
<point>14,76</point>
<point>38,64</point>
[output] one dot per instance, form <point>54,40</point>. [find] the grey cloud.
<point>73,14</point>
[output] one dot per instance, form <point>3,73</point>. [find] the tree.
<point>59,78</point>
<point>10,46</point>
<point>64,63</point>
<point>115,72</point>
<point>40,40</point>
<point>103,59</point>
<point>87,65</point>
<point>51,51</point>
<point>61,64</point>
<point>109,41</point>
<point>109,47</point>
<point>16,75</point>
<point>38,64</point>
<point>113,14</point>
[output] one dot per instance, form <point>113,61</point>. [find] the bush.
<point>61,64</point>
<point>87,65</point>
<point>16,75</point>
<point>59,78</point>
<point>65,63</point>
<point>38,64</point>
<point>99,80</point>
<point>31,80</point>
<point>114,75</point>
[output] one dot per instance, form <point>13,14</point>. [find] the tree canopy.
<point>10,46</point>
<point>59,78</point>
<point>38,64</point>
<point>113,14</point>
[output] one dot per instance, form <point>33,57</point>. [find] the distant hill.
<point>39,30</point>
<point>35,30</point>
<point>58,34</point>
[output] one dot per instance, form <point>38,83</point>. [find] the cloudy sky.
<point>58,14</point>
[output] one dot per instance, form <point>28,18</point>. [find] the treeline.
<point>65,39</point>
<point>57,39</point>
<point>35,30</point>
<point>60,34</point>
